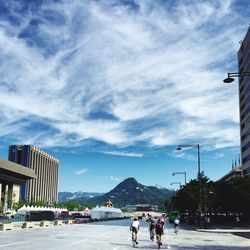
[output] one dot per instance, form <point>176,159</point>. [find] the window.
<point>246,159</point>
<point>246,171</point>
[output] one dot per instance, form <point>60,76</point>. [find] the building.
<point>244,101</point>
<point>234,173</point>
<point>46,168</point>
<point>12,176</point>
<point>146,207</point>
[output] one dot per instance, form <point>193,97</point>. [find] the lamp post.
<point>180,147</point>
<point>232,75</point>
<point>178,183</point>
<point>185,174</point>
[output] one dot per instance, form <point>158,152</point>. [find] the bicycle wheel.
<point>159,245</point>
<point>133,239</point>
<point>158,239</point>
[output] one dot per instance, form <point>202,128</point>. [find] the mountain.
<point>131,192</point>
<point>83,196</point>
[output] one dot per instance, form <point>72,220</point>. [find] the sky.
<point>112,87</point>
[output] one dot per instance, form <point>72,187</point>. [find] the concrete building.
<point>234,173</point>
<point>46,168</point>
<point>12,176</point>
<point>244,101</point>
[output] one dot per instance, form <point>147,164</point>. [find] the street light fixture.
<point>178,183</point>
<point>185,174</point>
<point>231,76</point>
<point>180,147</point>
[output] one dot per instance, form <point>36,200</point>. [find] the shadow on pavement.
<point>243,234</point>
<point>181,247</point>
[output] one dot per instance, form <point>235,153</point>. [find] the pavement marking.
<point>11,244</point>
<point>115,248</point>
<point>5,236</point>
<point>79,241</point>
<point>58,235</point>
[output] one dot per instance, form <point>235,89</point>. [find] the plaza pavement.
<point>114,235</point>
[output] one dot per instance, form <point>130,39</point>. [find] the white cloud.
<point>119,153</point>
<point>158,66</point>
<point>81,171</point>
<point>112,178</point>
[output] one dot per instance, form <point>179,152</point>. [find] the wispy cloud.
<point>112,178</point>
<point>128,154</point>
<point>119,74</point>
<point>81,171</point>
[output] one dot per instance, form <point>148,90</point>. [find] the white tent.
<point>22,210</point>
<point>106,213</point>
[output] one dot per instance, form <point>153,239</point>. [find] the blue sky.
<point>112,87</point>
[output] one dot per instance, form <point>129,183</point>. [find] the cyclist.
<point>151,229</point>
<point>159,232</point>
<point>176,225</point>
<point>162,220</point>
<point>134,227</point>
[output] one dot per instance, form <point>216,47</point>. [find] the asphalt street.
<point>114,235</point>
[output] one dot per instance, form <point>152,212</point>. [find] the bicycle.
<point>134,241</point>
<point>176,229</point>
<point>152,235</point>
<point>158,240</point>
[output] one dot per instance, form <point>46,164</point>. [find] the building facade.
<point>46,168</point>
<point>244,101</point>
<point>234,173</point>
<point>12,176</point>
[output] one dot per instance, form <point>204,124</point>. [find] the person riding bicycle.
<point>151,229</point>
<point>176,224</point>
<point>159,231</point>
<point>162,219</point>
<point>134,227</point>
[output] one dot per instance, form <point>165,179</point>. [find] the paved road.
<point>114,236</point>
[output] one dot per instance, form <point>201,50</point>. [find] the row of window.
<point>246,159</point>
<point>244,148</point>
<point>245,135</point>
<point>246,171</point>
<point>244,90</point>
<point>243,105</point>
<point>245,113</point>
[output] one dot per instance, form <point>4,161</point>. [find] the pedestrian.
<point>207,221</point>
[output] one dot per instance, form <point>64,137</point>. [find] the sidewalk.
<point>217,228</point>
<point>241,232</point>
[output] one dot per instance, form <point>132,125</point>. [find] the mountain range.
<point>67,196</point>
<point>128,192</point>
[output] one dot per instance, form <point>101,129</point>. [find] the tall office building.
<point>244,100</point>
<point>46,167</point>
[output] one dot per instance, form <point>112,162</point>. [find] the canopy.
<point>106,212</point>
<point>23,210</point>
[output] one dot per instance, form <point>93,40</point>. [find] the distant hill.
<point>131,192</point>
<point>82,196</point>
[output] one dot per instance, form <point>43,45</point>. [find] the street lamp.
<point>180,147</point>
<point>178,183</point>
<point>185,174</point>
<point>231,76</point>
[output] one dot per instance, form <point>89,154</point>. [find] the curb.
<point>224,230</point>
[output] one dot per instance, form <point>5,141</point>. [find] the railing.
<point>13,218</point>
